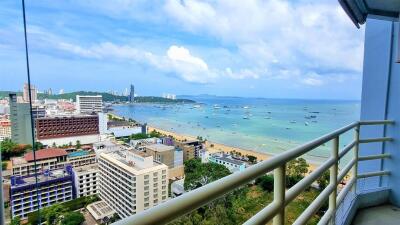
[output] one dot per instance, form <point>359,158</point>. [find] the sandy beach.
<point>217,147</point>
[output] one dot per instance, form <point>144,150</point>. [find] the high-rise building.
<point>132,94</point>
<point>20,121</point>
<point>89,103</point>
<point>130,181</point>
<point>25,93</point>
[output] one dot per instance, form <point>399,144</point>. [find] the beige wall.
<point>165,157</point>
<point>176,172</point>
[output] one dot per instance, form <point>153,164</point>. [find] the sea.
<point>264,125</point>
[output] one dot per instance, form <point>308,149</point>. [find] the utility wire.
<point>30,108</point>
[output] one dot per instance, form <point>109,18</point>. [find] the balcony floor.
<point>381,215</point>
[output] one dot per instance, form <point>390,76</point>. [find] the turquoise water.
<point>264,125</point>
<point>78,153</point>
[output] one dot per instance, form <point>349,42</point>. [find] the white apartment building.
<point>89,103</point>
<point>130,181</point>
<point>86,180</point>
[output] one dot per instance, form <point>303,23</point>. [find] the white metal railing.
<point>174,208</point>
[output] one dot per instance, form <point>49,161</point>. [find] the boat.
<point>246,117</point>
<point>267,117</point>
<point>245,107</point>
<point>293,121</point>
<point>306,124</point>
<point>313,116</point>
<point>196,106</point>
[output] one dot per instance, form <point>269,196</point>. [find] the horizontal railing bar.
<point>194,199</point>
<point>372,157</point>
<point>370,140</point>
<point>314,206</point>
<point>346,149</point>
<point>293,192</point>
<point>345,170</point>
<point>345,190</point>
<point>373,174</point>
<point>376,122</point>
<point>264,216</point>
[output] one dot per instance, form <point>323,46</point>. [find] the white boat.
<point>246,117</point>
<point>306,124</point>
<point>245,107</point>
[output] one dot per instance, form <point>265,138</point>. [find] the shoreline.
<point>218,147</point>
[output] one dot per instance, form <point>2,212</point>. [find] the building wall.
<point>164,157</point>
<point>89,104</point>
<point>61,127</point>
<point>128,193</point>
<point>380,100</point>
<point>86,181</point>
<point>28,168</point>
<point>23,199</point>
<point>20,121</point>
<point>5,132</point>
<point>86,139</point>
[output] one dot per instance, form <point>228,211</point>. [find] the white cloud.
<point>304,34</point>
<point>177,60</point>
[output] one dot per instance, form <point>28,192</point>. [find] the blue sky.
<point>270,48</point>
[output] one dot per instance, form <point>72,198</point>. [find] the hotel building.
<point>89,103</point>
<point>51,158</point>
<point>54,187</point>
<point>64,130</point>
<point>86,180</point>
<point>130,181</point>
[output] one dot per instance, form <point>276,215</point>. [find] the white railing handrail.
<point>174,208</point>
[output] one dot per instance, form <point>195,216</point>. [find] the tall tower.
<point>132,94</point>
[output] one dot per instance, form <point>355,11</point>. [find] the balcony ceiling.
<point>358,10</point>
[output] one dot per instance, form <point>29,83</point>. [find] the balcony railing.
<point>275,211</point>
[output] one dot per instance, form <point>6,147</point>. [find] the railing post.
<point>354,171</point>
<point>333,178</point>
<point>279,194</point>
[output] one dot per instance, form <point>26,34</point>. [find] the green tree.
<point>73,218</point>
<point>252,158</point>
<point>38,145</point>
<point>4,165</point>
<point>295,171</point>
<point>78,144</point>
<point>266,182</point>
<point>198,174</point>
<point>16,221</point>
<point>323,180</point>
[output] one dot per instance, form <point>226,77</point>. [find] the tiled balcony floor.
<point>379,215</point>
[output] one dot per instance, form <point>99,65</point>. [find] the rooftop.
<point>160,147</point>
<point>100,210</point>
<point>227,158</point>
<point>132,161</point>
<point>86,168</point>
<point>43,177</point>
<point>45,154</point>
<point>358,10</point>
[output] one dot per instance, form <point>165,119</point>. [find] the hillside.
<point>106,97</point>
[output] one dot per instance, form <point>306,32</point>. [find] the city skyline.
<point>186,47</point>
